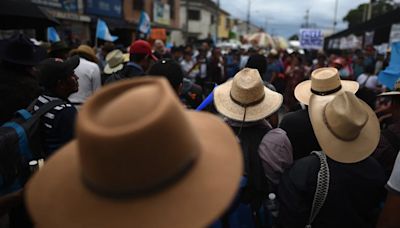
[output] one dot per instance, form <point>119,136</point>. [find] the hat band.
<point>139,192</point>
<point>325,93</point>
<point>347,139</point>
<point>249,104</point>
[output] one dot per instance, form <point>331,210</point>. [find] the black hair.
<point>170,69</point>
<point>137,57</point>
<point>258,62</point>
<point>369,69</point>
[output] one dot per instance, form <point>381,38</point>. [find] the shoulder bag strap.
<point>365,82</point>
<point>321,191</point>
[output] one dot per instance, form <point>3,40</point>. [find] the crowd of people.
<point>278,139</point>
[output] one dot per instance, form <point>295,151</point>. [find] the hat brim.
<point>40,55</point>
<point>335,148</point>
<point>391,93</point>
<point>302,92</point>
<point>110,70</point>
<point>56,196</point>
<point>227,107</point>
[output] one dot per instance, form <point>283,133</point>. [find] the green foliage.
<point>294,37</point>
<point>360,14</point>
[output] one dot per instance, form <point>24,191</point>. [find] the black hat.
<point>58,47</point>
<point>170,69</point>
<point>20,50</point>
<point>53,69</point>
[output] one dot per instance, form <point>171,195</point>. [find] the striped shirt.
<point>57,124</point>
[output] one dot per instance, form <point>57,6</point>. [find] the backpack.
<point>20,143</point>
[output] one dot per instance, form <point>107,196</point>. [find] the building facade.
<point>198,21</point>
<point>224,25</point>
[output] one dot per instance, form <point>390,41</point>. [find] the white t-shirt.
<point>394,181</point>
<point>89,80</point>
<point>372,82</point>
<point>186,66</point>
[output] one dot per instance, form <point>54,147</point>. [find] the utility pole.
<point>369,10</point>
<point>187,20</point>
<point>248,16</point>
<point>335,16</point>
<point>217,21</point>
<point>307,18</point>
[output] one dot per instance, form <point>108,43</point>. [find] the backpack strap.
<point>20,129</point>
<point>321,191</point>
<point>392,138</point>
<point>45,108</point>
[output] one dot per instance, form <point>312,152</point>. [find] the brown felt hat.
<point>87,51</point>
<point>246,95</point>
<point>324,82</point>
<point>140,160</point>
<point>346,127</point>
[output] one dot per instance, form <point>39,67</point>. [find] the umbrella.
<point>23,14</point>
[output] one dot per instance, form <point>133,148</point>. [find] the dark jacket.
<point>300,133</point>
<point>250,138</point>
<point>17,91</point>
<point>130,70</point>
<point>355,191</point>
<point>388,147</point>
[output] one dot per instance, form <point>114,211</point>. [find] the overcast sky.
<point>285,16</point>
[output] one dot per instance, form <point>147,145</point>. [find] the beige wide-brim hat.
<point>395,92</point>
<point>57,196</point>
<point>324,81</point>
<point>115,62</point>
<point>346,128</point>
<point>246,89</point>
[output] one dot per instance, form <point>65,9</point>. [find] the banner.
<point>369,38</point>
<point>311,39</point>
<point>144,23</point>
<point>109,8</point>
<point>395,33</point>
<point>64,5</point>
<point>161,13</point>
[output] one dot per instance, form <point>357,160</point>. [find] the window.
<point>171,4</point>
<point>212,19</point>
<point>227,23</point>
<point>194,15</point>
<point>138,5</point>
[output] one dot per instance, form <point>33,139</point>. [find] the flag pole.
<point>95,36</point>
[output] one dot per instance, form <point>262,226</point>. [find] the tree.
<point>294,37</point>
<point>359,15</point>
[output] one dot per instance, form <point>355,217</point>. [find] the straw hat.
<point>115,62</point>
<point>324,81</point>
<point>346,127</point>
<point>245,98</point>
<point>139,160</point>
<point>87,51</point>
<point>396,91</point>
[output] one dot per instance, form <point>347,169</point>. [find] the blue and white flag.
<point>103,33</point>
<point>144,23</point>
<point>391,74</point>
<point>52,35</point>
